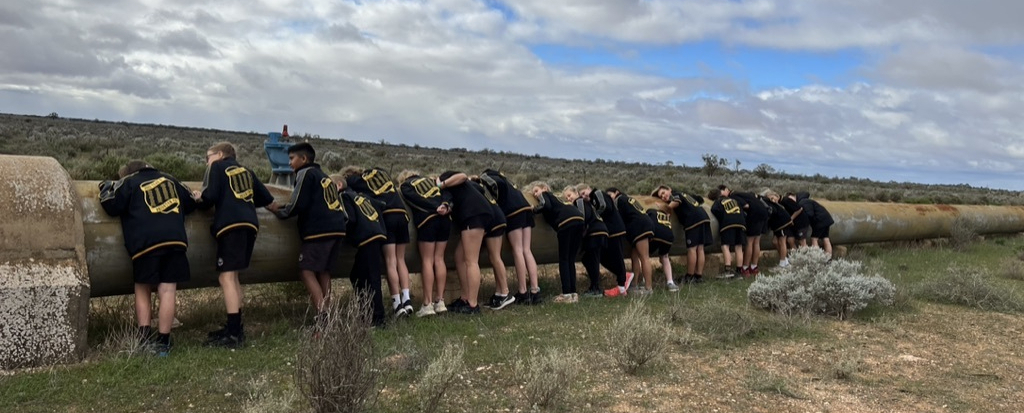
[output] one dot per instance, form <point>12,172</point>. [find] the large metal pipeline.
<point>276,250</point>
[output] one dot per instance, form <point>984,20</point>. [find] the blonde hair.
<point>351,170</point>
<point>539,184</point>
<point>339,179</point>
<point>583,187</point>
<point>406,174</point>
<point>225,148</point>
<point>768,193</point>
<point>572,190</point>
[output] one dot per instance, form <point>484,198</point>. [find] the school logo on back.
<point>240,181</point>
<point>731,207</point>
<point>366,209</point>
<point>161,196</point>
<point>379,182</point>
<point>425,188</point>
<point>636,204</point>
<point>664,219</point>
<point>331,195</point>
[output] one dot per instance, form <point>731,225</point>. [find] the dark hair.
<point>611,189</point>
<point>659,188</point>
<point>303,149</point>
<point>132,167</point>
<point>723,187</point>
<point>714,194</point>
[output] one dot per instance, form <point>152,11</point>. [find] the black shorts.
<point>639,230</point>
<point>397,227</point>
<point>234,249</point>
<point>801,233</point>
<point>659,247</point>
<point>474,222</point>
<point>436,229</point>
<point>319,255</point>
<point>821,232</point>
<point>756,227</point>
<point>595,242</point>
<point>523,219</point>
<point>496,231</point>
<point>497,226</point>
<point>733,236</point>
<point>785,232</point>
<point>699,236</point>
<point>162,266</point>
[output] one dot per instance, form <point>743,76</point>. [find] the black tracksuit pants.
<point>367,268</point>
<point>570,237</point>
<point>593,247</point>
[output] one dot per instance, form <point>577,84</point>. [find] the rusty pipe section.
<point>275,257</point>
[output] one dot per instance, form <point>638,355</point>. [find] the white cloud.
<point>934,96</point>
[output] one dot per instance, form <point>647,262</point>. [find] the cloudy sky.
<point>903,90</point>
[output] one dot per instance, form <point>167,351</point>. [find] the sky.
<point>928,91</point>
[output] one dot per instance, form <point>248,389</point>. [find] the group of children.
<point>368,210</point>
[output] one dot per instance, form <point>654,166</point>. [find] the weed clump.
<point>548,377</point>
<point>439,376</point>
<point>636,337</point>
<point>337,366</point>
<point>962,232</point>
<point>814,284</point>
<point>970,288</point>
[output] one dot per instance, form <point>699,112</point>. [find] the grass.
<point>716,340</point>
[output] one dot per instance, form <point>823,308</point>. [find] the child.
<point>639,230</point>
<point>801,223</point>
<point>568,224</point>
<point>731,229</point>
<point>821,221</point>
<point>322,222</point>
<point>690,211</point>
<point>432,232</point>
<point>595,240</point>
<point>781,225</point>
<point>152,206</point>
<point>236,192</point>
<point>375,183</point>
<point>519,230</point>
<point>366,232</point>
<point>612,257</point>
<point>492,239</point>
<point>756,214</point>
<point>470,213</point>
<point>661,244</point>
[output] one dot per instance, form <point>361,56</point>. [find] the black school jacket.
<point>152,206</point>
<point>505,193</point>
<point>236,192</point>
<point>315,201</point>
<point>595,225</point>
<point>801,221</point>
<point>690,210</point>
<point>377,184</point>
<point>423,197</point>
<point>465,202</point>
<point>817,214</point>
<point>756,209</point>
<point>364,218</point>
<point>556,213</point>
<point>662,226</point>
<point>778,217</point>
<point>605,206</point>
<point>729,213</point>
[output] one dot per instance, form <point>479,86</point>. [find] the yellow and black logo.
<point>331,195</point>
<point>636,204</point>
<point>664,219</point>
<point>731,207</point>
<point>161,196</point>
<point>691,200</point>
<point>366,208</point>
<point>240,181</point>
<point>379,182</point>
<point>426,188</point>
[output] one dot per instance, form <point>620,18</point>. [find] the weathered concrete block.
<point>44,282</point>
<point>44,312</point>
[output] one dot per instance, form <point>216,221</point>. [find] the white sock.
<point>622,289</point>
<point>501,295</point>
<point>395,302</point>
<point>405,295</point>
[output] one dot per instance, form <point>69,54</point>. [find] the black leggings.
<point>365,276</point>
<point>569,239</point>
<point>612,259</point>
<point>592,247</point>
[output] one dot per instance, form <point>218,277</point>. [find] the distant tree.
<point>764,171</point>
<point>737,165</point>
<point>713,164</point>
<point>670,163</point>
<point>53,115</point>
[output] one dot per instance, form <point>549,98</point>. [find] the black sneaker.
<point>498,302</point>
<point>459,302</point>
<point>593,294</point>
<point>466,309</point>
<point>535,298</point>
<point>407,305</point>
<point>227,340</point>
<point>522,298</point>
<point>217,333</point>
<point>402,312</point>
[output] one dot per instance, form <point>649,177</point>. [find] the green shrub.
<point>547,378</point>
<point>814,284</point>
<point>636,337</point>
<point>439,376</point>
<point>970,287</point>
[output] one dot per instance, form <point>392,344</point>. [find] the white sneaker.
<point>673,287</point>
<point>783,263</point>
<point>439,307</point>
<point>426,310</point>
